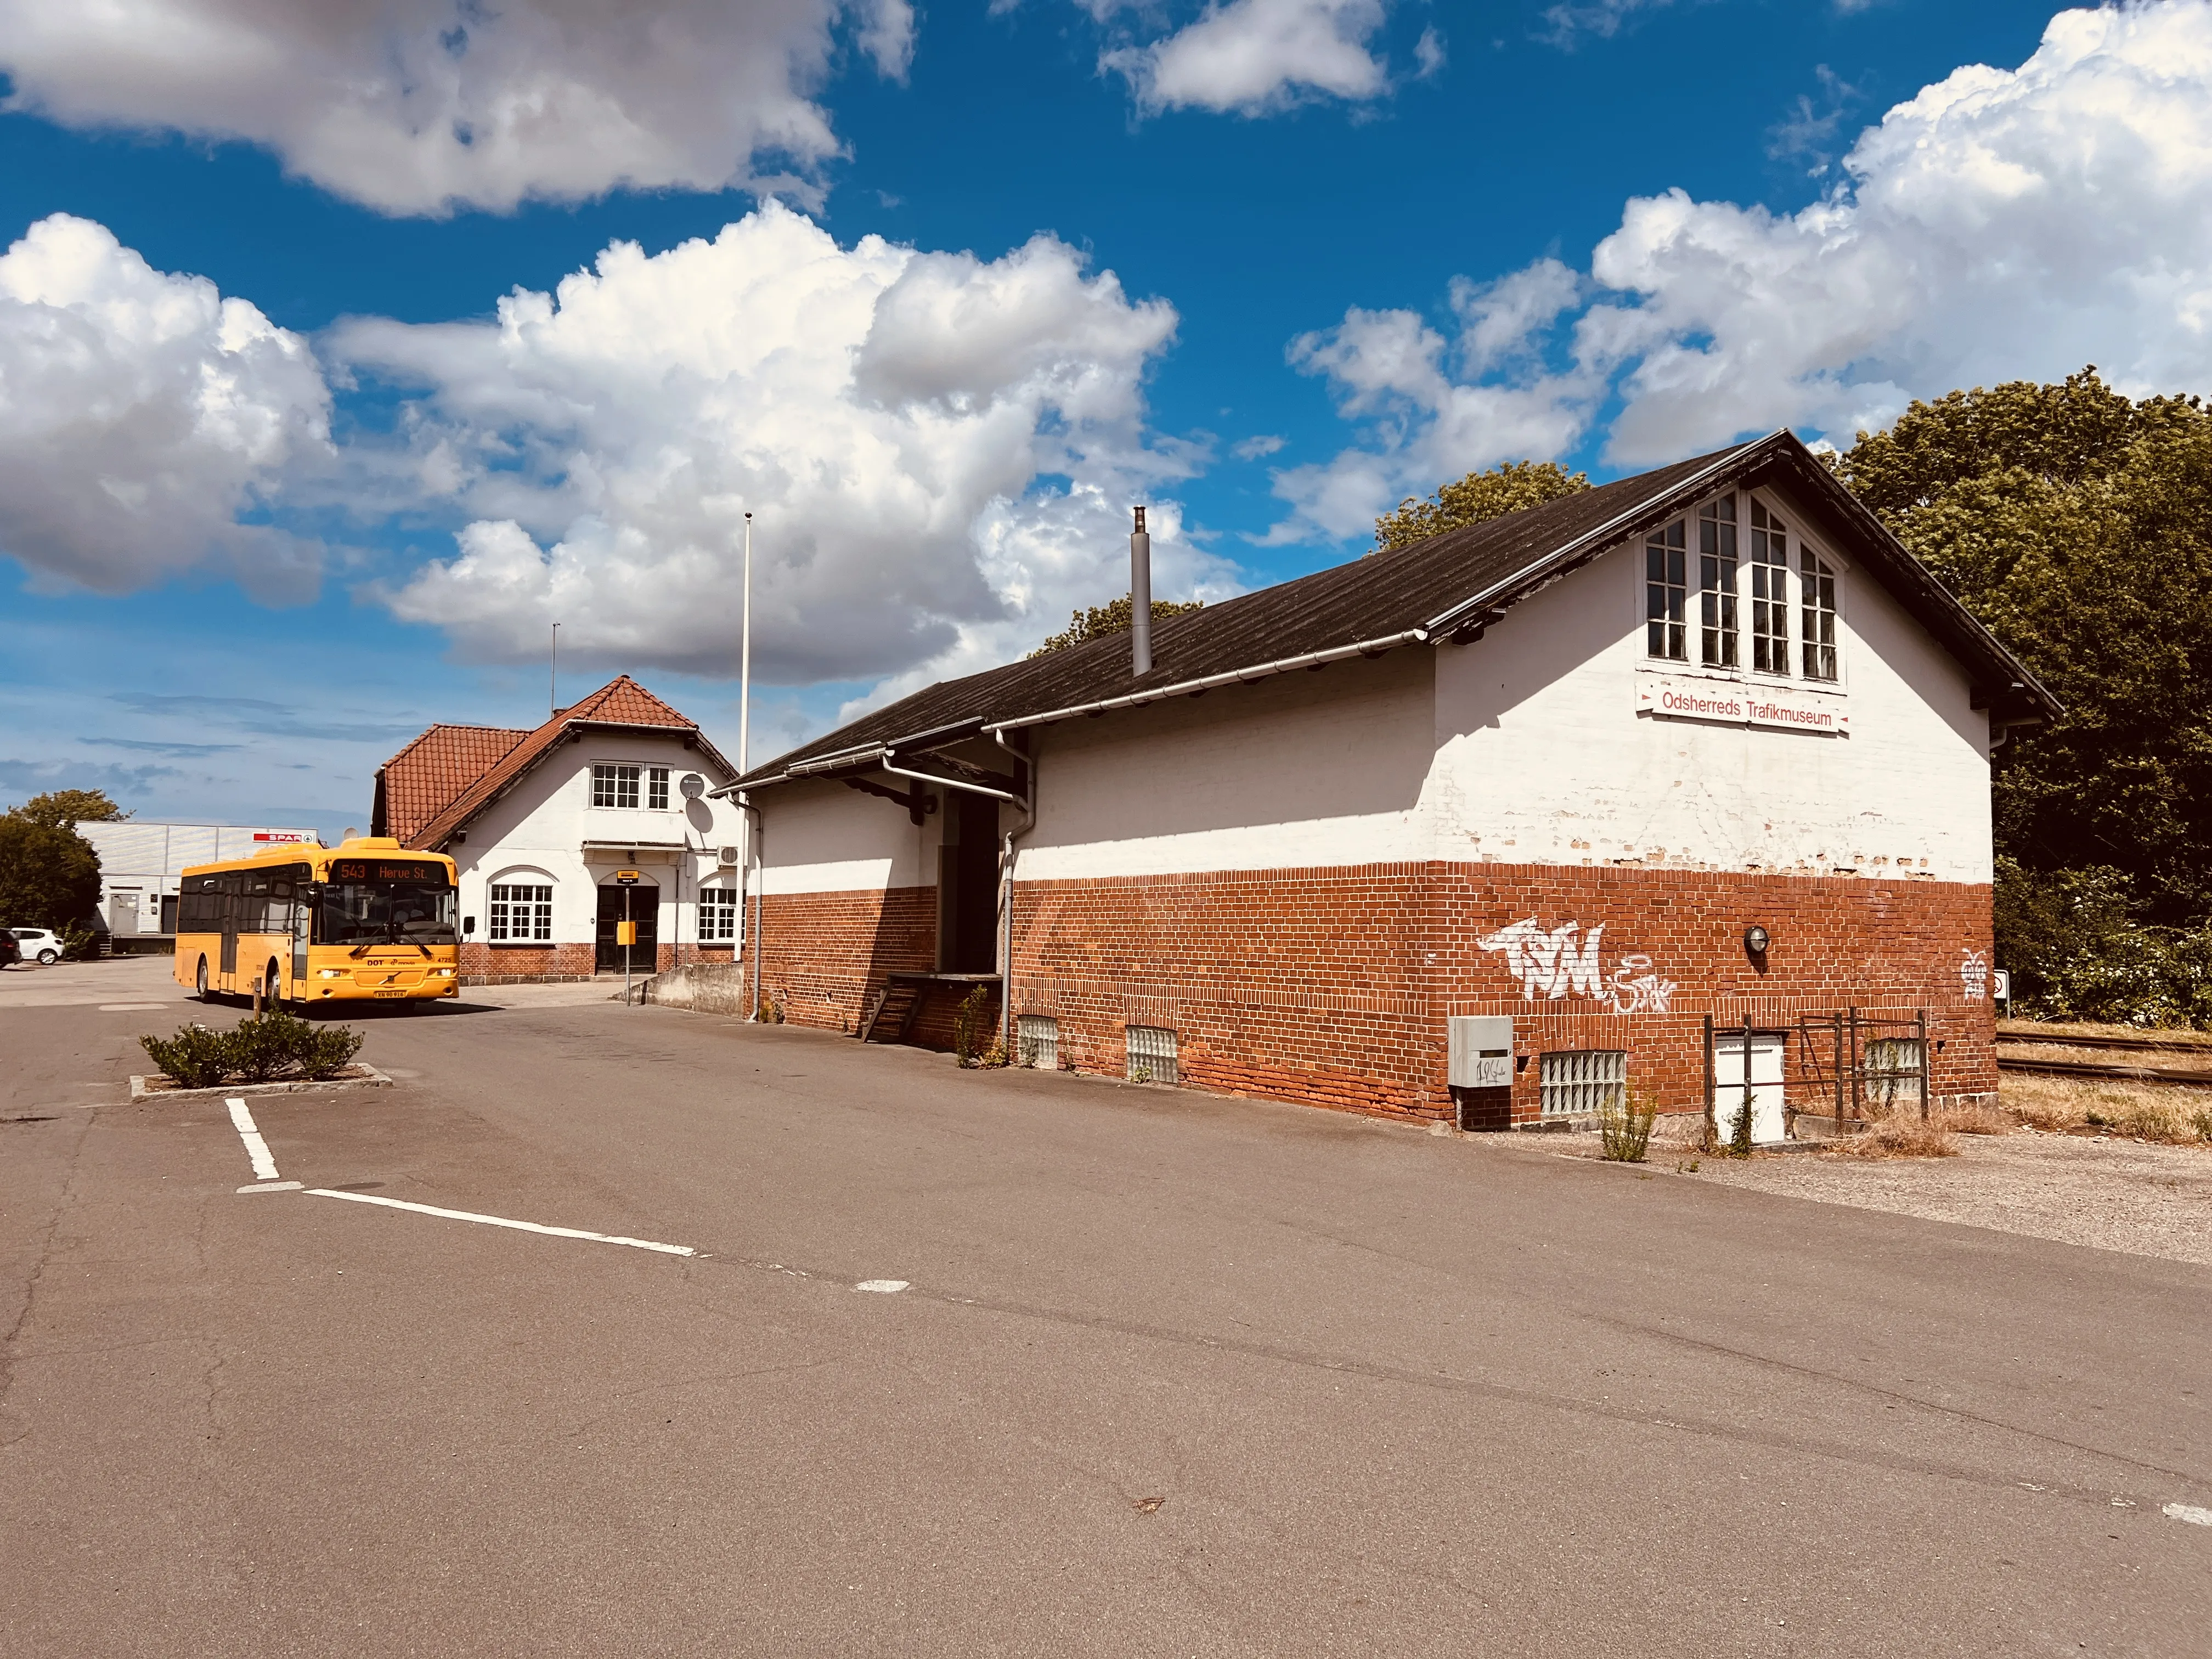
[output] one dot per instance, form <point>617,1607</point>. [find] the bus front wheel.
<point>203,989</point>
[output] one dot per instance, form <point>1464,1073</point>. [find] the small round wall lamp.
<point>1755,940</point>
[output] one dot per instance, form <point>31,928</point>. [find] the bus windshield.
<point>385,913</point>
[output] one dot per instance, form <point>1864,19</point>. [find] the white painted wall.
<point>1526,746</point>
<point>824,837</point>
<point>1541,757</point>
<point>536,834</point>
<point>1302,769</point>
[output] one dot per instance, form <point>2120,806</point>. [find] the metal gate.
<point>1851,1067</point>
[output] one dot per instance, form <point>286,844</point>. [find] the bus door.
<point>233,900</point>
<point>303,916</point>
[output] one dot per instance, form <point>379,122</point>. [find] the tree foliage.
<point>59,809</point>
<point>48,874</point>
<point>2076,523</point>
<point>1100,621</point>
<point>49,877</point>
<point>1475,499</point>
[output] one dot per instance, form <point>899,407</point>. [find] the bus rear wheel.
<point>203,987</point>
<point>273,984</point>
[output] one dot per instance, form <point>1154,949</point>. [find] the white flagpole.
<point>745,663</point>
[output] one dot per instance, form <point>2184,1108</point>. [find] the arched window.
<point>520,908</point>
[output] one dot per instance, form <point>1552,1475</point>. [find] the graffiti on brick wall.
<point>1974,976</point>
<point>1554,963</point>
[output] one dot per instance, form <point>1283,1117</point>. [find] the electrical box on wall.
<point>1481,1048</point>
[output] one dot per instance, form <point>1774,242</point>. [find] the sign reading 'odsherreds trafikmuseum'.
<point>1739,703</point>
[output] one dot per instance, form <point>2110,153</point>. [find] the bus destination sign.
<point>386,870</point>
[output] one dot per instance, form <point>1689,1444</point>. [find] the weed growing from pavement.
<point>1624,1126</point>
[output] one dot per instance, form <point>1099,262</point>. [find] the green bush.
<point>275,1045</point>
<point>195,1057</point>
<point>2078,951</point>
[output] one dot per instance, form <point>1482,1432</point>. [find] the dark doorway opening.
<point>968,886</point>
<point>644,910</point>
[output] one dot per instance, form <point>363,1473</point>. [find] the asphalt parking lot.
<point>1002,1363</point>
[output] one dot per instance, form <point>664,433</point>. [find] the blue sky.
<point>287,483</point>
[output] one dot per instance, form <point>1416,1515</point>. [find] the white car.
<point>38,945</point>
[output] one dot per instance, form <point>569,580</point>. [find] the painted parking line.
<point>2190,1513</point>
<point>881,1286</point>
<point>503,1221</point>
<point>264,1167</point>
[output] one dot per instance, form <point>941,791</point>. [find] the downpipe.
<point>1006,896</point>
<point>756,835</point>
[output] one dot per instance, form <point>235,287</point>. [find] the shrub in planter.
<point>195,1057</point>
<point>326,1053</point>
<point>262,1048</point>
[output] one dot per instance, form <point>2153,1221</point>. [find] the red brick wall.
<point>1332,986</point>
<point>824,955</point>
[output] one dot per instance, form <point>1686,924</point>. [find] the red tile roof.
<point>429,774</point>
<point>622,701</point>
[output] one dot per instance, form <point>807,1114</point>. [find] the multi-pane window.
<point>1578,1081</point>
<point>520,912</point>
<point>1770,593</point>
<point>1666,594</point>
<point>617,786</point>
<point>717,916</point>
<point>1817,591</point>
<point>1038,1036</point>
<point>1717,553</point>
<point>656,788</point>
<point>1151,1054</point>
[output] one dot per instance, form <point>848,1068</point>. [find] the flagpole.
<point>751,935</point>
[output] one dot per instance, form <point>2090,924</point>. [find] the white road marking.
<point>264,1167</point>
<point>503,1221</point>
<point>130,1007</point>
<point>271,1187</point>
<point>2190,1513</point>
<point>884,1286</point>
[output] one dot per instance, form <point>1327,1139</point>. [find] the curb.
<point>375,1080</point>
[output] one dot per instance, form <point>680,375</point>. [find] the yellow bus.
<point>302,923</point>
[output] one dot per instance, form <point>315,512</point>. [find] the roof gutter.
<point>1236,676</point>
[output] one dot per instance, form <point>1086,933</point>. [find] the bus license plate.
<point>389,993</point>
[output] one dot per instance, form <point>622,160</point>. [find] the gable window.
<point>1818,614</point>
<point>1770,593</point>
<point>521,913</point>
<point>1666,594</point>
<point>718,914</point>
<point>1717,553</point>
<point>613,785</point>
<point>656,788</point>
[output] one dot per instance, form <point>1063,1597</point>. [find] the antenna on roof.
<point>1141,597</point>
<point>553,675</point>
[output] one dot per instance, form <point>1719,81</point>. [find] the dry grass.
<point>2054,1031</point>
<point>2140,1111</point>
<point>1902,1136</point>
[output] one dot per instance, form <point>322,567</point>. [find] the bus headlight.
<point>440,973</point>
<point>330,973</point>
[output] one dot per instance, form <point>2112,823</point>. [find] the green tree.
<point>58,809</point>
<point>2077,526</point>
<point>49,877</point>
<point>1119,617</point>
<point>1475,499</point>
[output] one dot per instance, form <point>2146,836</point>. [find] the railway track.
<point>2116,1070</point>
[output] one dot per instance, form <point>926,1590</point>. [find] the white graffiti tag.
<point>1553,964</point>
<point>1974,976</point>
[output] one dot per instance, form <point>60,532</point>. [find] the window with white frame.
<point>1717,553</point>
<point>1666,594</point>
<point>521,913</point>
<point>717,916</point>
<point>1817,592</point>
<point>1769,591</point>
<point>656,788</point>
<point>613,785</point>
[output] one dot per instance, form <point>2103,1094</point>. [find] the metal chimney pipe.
<point>1141,598</point>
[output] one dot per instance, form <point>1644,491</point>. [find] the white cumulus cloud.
<point>1251,57</point>
<point>142,414</point>
<point>938,450</point>
<point>422,106</point>
<point>2002,224</point>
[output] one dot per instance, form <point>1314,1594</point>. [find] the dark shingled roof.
<point>1445,585</point>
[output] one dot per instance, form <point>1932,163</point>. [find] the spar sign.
<point>1740,702</point>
